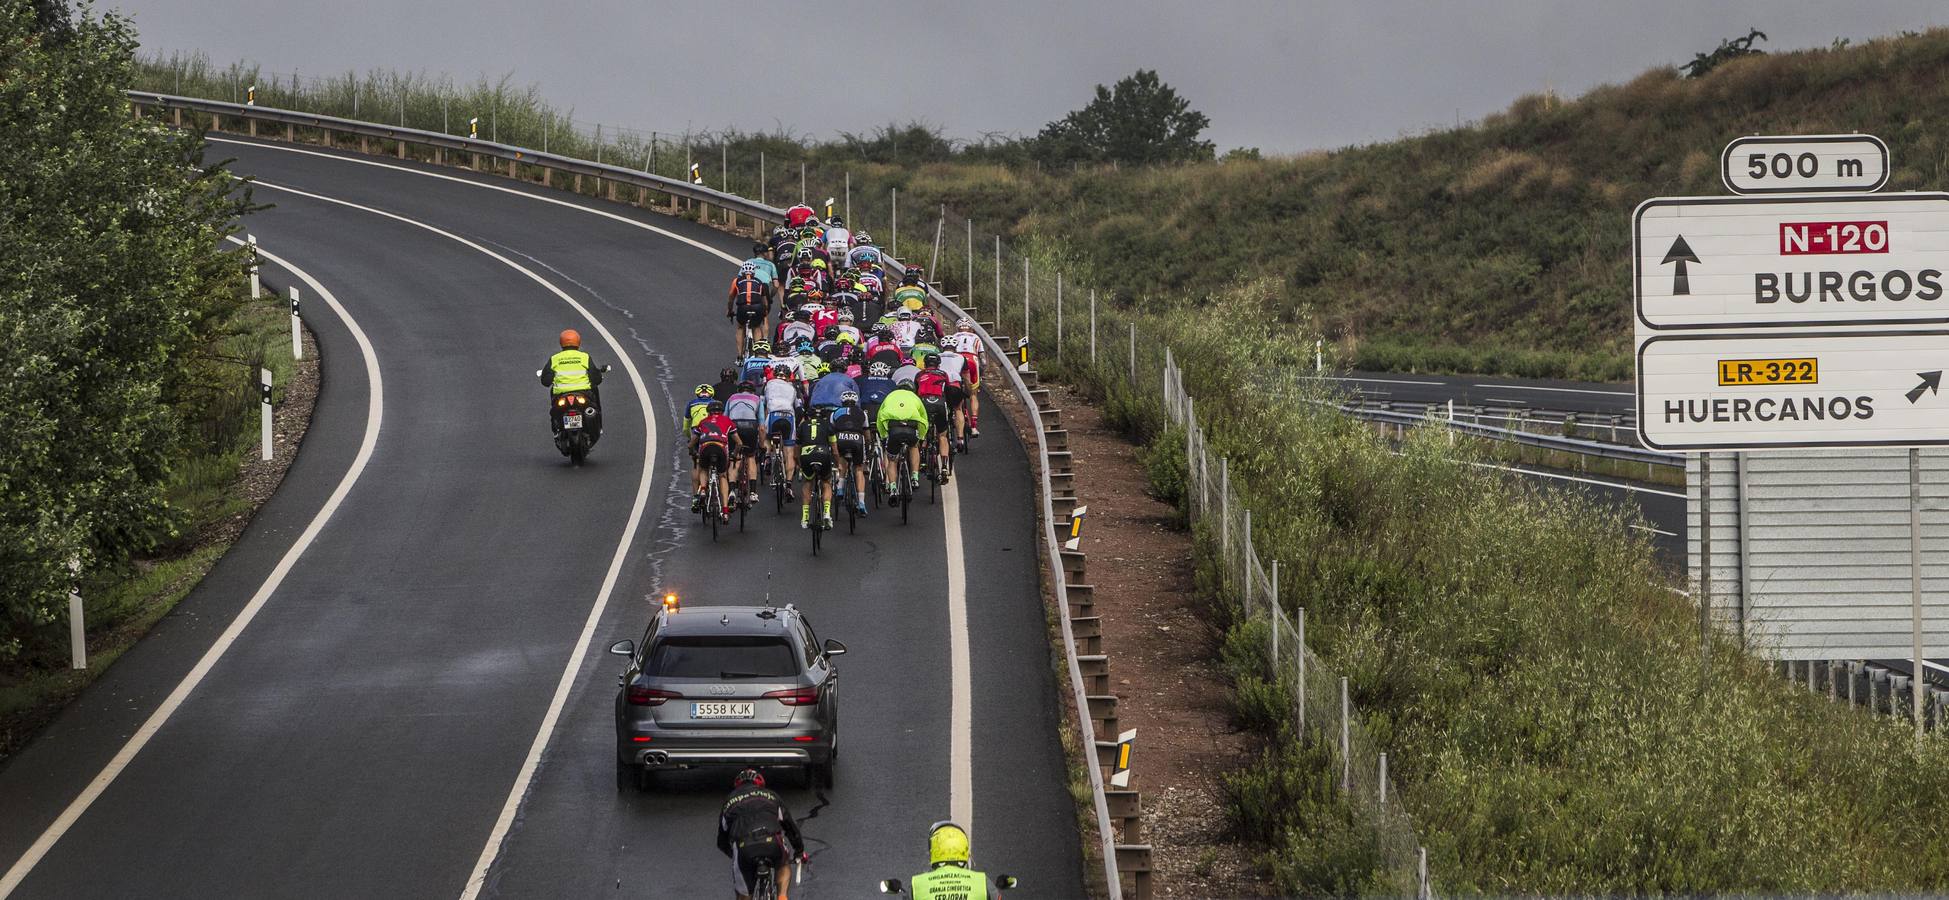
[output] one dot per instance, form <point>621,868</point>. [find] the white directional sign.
<point>1805,163</point>
<point>1808,389</point>
<point>1777,262</point>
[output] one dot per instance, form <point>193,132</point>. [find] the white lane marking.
<point>1656,530</point>
<point>1620,485</point>
<point>374,409</point>
<point>495,187</point>
<point>961,779</point>
<point>562,686</point>
<point>961,704</point>
<point>1528,387</point>
<point>1372,380</point>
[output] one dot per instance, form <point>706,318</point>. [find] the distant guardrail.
<point>1117,858</point>
<point>1601,449</point>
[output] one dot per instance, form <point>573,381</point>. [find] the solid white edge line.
<point>375,403</point>
<point>1622,486</point>
<point>567,681</point>
<point>961,702</point>
<point>961,792</point>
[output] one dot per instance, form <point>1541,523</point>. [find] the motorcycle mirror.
<point>605,369</point>
<point>890,886</point>
<point>537,373</point>
<point>1006,882</point>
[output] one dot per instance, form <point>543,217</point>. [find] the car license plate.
<point>572,420</point>
<point>721,710</point>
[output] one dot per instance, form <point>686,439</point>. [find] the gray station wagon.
<point>727,686</point>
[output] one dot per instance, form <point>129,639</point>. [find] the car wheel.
<point>626,776</point>
<point>825,774</point>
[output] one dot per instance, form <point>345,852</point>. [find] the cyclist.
<point>849,426</point>
<point>713,440</point>
<point>744,409</point>
<point>948,874</point>
<point>848,331</point>
<point>816,459</point>
<point>798,216</point>
<point>749,306</point>
<point>755,829</point>
<point>931,385</point>
<point>781,417</point>
<point>839,241</point>
<point>874,388</point>
<point>797,325</point>
<point>752,367</point>
<point>956,393</point>
<point>761,265</point>
<point>965,342</point>
<point>906,329</point>
<point>727,383</point>
<point>883,348</point>
<point>699,405</point>
<point>902,425</point>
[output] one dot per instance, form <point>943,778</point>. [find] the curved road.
<point>440,636</point>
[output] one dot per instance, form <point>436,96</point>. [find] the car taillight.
<point>796,696</point>
<point>643,696</point>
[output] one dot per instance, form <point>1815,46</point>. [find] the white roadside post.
<point>264,394</point>
<point>1092,326</point>
<point>297,328</point>
<point>1300,654</point>
<point>1058,317</point>
<point>256,282</point>
<point>893,248</point>
<point>77,626</point>
<point>1319,356</point>
<point>1346,739</point>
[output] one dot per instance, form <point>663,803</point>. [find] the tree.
<point>112,274</point>
<point>1729,49</point>
<point>1141,120</point>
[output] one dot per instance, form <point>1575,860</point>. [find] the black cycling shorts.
<point>851,447</point>
<point>751,316</point>
<point>748,439</point>
<point>955,395</point>
<point>709,455</point>
<point>936,412</point>
<point>815,462</point>
<point>901,435</point>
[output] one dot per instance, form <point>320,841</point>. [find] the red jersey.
<point>716,428</point>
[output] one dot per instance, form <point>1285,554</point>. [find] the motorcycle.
<point>577,422</point>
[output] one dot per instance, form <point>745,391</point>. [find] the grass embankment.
<point>123,600</point>
<point>1513,652</point>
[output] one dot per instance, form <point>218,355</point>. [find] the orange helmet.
<point>571,339</point>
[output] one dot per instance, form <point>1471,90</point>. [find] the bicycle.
<point>713,501</point>
<point>903,491</point>
<point>778,483</point>
<point>816,519</point>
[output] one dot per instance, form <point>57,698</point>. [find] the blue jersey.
<point>826,391</point>
<point>753,369</point>
<point>873,390</point>
<point>760,268</point>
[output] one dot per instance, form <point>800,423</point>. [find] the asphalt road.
<point>362,734</point>
<point>1473,390</point>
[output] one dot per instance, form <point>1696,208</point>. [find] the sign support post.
<point>1917,684</point>
<point>1705,569</point>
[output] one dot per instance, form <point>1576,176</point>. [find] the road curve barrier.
<point>1124,860</point>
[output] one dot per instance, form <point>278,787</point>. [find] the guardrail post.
<point>297,329</point>
<point>264,394</point>
<point>77,624</point>
<point>1346,740</point>
<point>256,282</point>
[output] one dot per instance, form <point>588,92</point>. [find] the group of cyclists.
<point>845,380</point>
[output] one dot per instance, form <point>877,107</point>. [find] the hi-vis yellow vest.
<point>571,368</point>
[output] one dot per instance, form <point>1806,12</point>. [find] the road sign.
<point>1776,262</point>
<point>1805,163</point>
<point>1805,389</point>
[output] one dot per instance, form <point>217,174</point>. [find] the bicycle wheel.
<point>905,490</point>
<point>743,501</point>
<point>713,503</point>
<point>778,483</point>
<point>813,490</point>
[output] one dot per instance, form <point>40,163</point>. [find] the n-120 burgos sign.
<point>1714,263</point>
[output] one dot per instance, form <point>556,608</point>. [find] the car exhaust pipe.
<point>656,758</point>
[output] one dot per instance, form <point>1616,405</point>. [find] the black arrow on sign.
<point>1680,253</point>
<point>1931,382</point>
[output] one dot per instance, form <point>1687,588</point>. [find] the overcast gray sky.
<point>1282,76</point>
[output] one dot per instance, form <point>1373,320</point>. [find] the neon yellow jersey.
<point>901,406</point>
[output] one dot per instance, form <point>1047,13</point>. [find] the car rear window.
<point>723,656</point>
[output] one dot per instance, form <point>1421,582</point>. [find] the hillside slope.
<point>1499,247</point>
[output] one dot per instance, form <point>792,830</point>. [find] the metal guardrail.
<point>761,215</point>
<point>1544,441</point>
<point>513,156</point>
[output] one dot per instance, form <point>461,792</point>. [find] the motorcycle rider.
<point>572,371</point>
<point>948,874</point>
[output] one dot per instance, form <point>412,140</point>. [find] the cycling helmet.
<point>879,370</point>
<point>571,339</point>
<point>964,325</point>
<point>705,390</point>
<point>946,843</point>
<point>821,368</point>
<point>728,372</point>
<point>747,387</point>
<point>848,398</point>
<point>716,406</point>
<point>804,254</point>
<point>906,384</point>
<point>761,348</point>
<point>836,222</point>
<point>804,347</point>
<point>930,360</point>
<point>905,315</point>
<point>748,777</point>
<point>830,332</point>
<point>862,237</point>
<point>782,371</point>
<point>847,338</point>
<point>926,334</point>
<point>845,315</point>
